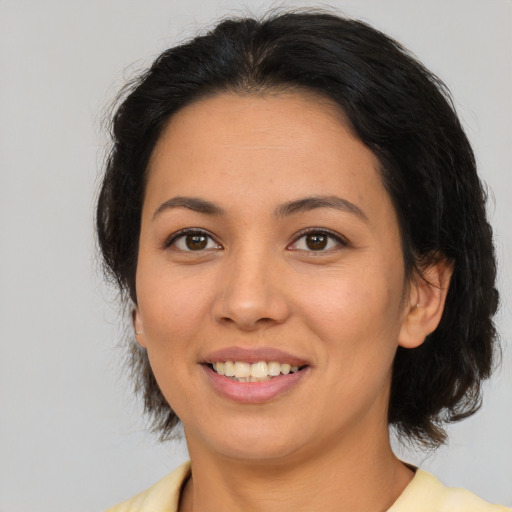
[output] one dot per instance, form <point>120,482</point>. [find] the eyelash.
<point>298,236</point>
<point>340,240</point>
<point>183,233</point>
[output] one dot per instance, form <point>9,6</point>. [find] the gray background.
<point>71,437</point>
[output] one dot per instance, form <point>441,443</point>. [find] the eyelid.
<point>169,241</point>
<point>340,239</point>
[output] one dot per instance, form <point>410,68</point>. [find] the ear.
<point>138,326</point>
<point>425,303</point>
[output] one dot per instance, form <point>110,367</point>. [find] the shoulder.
<point>162,497</point>
<point>426,493</point>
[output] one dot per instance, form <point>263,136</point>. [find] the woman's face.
<point>268,236</point>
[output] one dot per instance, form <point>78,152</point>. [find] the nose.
<point>251,292</point>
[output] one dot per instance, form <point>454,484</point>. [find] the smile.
<point>260,371</point>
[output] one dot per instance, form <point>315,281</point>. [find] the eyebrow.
<point>191,203</point>
<point>285,210</point>
<point>311,203</point>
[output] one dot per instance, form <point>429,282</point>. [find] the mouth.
<point>260,371</point>
<point>254,375</point>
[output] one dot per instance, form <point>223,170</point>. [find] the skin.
<point>344,309</point>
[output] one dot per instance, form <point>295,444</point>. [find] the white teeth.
<point>259,370</point>
<point>242,369</point>
<point>274,368</point>
<point>256,372</point>
<point>229,369</point>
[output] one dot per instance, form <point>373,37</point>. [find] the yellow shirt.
<point>423,494</point>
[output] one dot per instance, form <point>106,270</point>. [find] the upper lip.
<point>254,355</point>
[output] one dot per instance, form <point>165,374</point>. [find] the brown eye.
<point>316,241</point>
<point>196,242</point>
<point>193,241</point>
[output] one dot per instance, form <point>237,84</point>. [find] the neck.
<point>350,476</point>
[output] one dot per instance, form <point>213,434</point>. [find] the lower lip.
<point>253,392</point>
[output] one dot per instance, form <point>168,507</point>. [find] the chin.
<point>256,441</point>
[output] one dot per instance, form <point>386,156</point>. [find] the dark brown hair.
<point>404,114</point>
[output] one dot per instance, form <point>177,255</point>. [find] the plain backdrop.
<point>71,435</point>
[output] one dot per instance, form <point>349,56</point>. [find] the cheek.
<point>356,311</point>
<point>173,307</point>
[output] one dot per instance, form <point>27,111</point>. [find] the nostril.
<point>247,323</point>
<point>250,310</point>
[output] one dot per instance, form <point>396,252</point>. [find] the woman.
<point>293,209</point>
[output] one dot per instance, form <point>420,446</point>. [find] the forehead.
<point>291,144</point>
